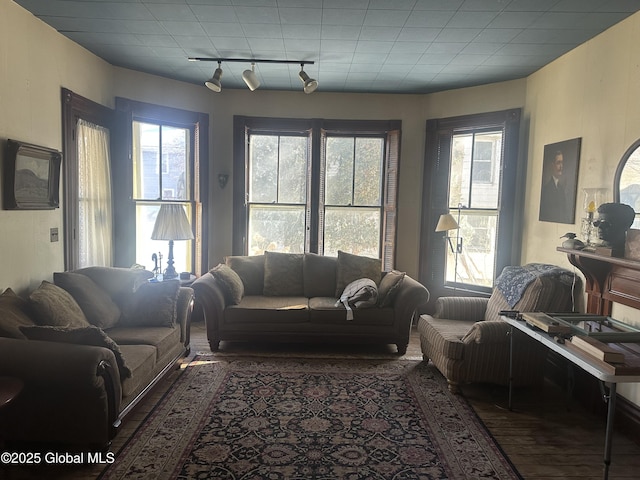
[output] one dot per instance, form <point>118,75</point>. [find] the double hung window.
<point>470,172</point>
<point>316,186</point>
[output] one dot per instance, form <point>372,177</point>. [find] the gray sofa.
<point>87,348</point>
<point>280,297</point>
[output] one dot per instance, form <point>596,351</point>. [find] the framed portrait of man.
<point>560,181</point>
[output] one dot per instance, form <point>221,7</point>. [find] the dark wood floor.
<point>545,436</point>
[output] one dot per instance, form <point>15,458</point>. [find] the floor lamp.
<point>171,224</point>
<point>446,222</point>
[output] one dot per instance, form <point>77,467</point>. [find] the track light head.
<point>310,84</point>
<point>214,82</point>
<point>250,78</point>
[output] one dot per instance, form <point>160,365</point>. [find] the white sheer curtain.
<point>94,196</point>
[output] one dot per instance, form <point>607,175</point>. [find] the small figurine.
<point>572,242</point>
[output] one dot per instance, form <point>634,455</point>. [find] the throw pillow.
<point>90,335</point>
<point>153,304</point>
<point>283,274</point>
<point>119,283</point>
<point>251,270</point>
<point>319,275</point>
<point>231,282</point>
<point>352,267</point>
<point>55,306</point>
<point>95,303</point>
<point>389,286</point>
<point>360,293</point>
<point>13,315</point>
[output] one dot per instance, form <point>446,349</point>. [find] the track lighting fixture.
<point>250,78</point>
<point>214,82</point>
<point>310,84</point>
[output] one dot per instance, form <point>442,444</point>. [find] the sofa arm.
<point>72,393</point>
<point>489,331</point>
<point>469,309</point>
<point>184,309</point>
<point>411,295</point>
<point>209,305</point>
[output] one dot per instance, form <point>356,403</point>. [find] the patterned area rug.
<point>268,418</point>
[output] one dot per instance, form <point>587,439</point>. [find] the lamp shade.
<point>214,82</point>
<point>250,78</point>
<point>172,223</point>
<point>309,84</point>
<point>446,222</point>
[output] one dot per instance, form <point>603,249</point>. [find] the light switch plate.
<point>53,234</point>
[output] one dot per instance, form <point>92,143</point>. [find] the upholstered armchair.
<point>468,342</point>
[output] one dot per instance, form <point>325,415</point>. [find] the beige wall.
<point>35,62</point>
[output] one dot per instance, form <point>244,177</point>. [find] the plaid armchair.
<point>468,342</point>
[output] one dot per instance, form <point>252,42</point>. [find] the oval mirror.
<point>626,185</point>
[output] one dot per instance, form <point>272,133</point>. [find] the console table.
<point>585,362</point>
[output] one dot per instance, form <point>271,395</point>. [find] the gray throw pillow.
<point>283,274</point>
<point>90,335</point>
<point>319,273</point>
<point>231,283</point>
<point>153,304</point>
<point>251,270</point>
<point>389,286</point>
<point>352,267</point>
<point>55,306</point>
<point>13,315</point>
<point>95,303</point>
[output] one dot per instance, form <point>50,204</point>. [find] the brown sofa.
<point>87,348</point>
<point>279,297</point>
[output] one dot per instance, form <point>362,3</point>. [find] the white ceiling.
<point>386,46</point>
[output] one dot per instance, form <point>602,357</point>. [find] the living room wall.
<point>35,61</point>
<point>592,92</point>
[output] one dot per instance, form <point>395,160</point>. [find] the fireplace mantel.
<point>607,280</point>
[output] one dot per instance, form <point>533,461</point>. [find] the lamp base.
<point>170,272</point>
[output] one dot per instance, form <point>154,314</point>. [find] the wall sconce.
<point>223,178</point>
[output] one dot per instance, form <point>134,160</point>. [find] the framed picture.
<point>31,177</point>
<point>560,181</point>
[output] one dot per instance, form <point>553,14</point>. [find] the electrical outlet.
<point>53,234</point>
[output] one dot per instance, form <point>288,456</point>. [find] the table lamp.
<point>171,224</point>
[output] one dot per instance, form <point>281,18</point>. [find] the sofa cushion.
<point>55,306</point>
<point>260,309</point>
<point>119,283</point>
<point>14,313</point>
<point>319,275</point>
<point>94,301</point>
<point>444,336</point>
<point>231,283</point>
<point>283,274</point>
<point>163,338</point>
<point>153,304</point>
<point>251,271</point>
<point>142,362</point>
<point>389,286</point>
<point>90,335</point>
<point>352,267</point>
<point>323,310</point>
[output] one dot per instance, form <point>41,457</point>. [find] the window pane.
<point>486,170</point>
<point>146,161</point>
<point>145,247</point>
<point>459,182</point>
<point>352,230</point>
<point>175,163</point>
<point>368,171</point>
<point>276,228</point>
<point>476,262</point>
<point>293,166</point>
<point>263,168</point>
<point>339,171</point>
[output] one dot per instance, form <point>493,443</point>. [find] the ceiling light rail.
<point>249,76</point>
